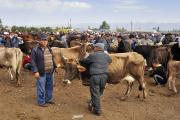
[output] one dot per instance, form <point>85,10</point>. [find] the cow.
<point>175,50</point>
<point>77,52</point>
<point>151,53</point>
<point>75,43</point>
<point>11,58</point>
<point>125,66</point>
<point>162,54</point>
<point>173,73</point>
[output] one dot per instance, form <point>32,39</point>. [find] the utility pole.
<point>70,23</point>
<point>131,25</point>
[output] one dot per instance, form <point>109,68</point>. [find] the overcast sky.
<point>58,12</point>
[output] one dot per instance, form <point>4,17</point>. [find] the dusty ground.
<point>19,103</point>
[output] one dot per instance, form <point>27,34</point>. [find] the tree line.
<point>104,26</point>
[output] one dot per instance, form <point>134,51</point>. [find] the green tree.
<point>46,29</point>
<point>121,29</point>
<point>104,25</point>
<point>14,28</point>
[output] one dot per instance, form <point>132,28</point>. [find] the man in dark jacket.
<point>159,73</point>
<point>43,67</point>
<point>98,62</point>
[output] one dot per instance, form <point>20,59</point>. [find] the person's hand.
<point>36,74</point>
<point>55,70</point>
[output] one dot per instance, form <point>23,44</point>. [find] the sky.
<point>59,12</point>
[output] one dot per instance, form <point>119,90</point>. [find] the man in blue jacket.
<point>98,62</point>
<point>43,68</point>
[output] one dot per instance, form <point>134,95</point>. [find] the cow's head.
<point>75,62</point>
<point>71,66</point>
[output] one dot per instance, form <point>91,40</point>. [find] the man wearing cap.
<point>98,62</point>
<point>43,68</point>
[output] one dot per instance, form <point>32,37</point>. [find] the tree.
<point>121,29</point>
<point>104,25</point>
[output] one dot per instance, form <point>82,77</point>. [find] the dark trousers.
<point>159,80</point>
<point>97,86</point>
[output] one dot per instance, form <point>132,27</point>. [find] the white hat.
<point>6,33</point>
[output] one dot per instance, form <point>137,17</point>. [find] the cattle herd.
<point>132,54</point>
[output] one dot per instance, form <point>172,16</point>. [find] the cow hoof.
<point>66,81</point>
<point>170,89</point>
<point>145,95</point>
<point>138,96</point>
<point>18,85</point>
<point>123,98</point>
<point>175,91</point>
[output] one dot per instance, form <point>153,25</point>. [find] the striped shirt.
<point>48,62</point>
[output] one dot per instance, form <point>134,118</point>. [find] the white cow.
<point>11,58</point>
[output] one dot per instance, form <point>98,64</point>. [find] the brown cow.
<point>75,43</point>
<point>125,66</point>
<point>77,52</point>
<point>173,73</point>
<point>11,58</point>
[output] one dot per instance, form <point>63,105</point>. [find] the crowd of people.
<point>41,62</point>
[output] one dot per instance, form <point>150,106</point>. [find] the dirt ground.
<point>19,103</point>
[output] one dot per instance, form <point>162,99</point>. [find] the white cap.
<point>6,33</point>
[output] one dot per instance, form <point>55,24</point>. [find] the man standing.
<point>43,67</point>
<point>98,62</point>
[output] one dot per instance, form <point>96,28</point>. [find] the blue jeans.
<point>28,66</point>
<point>44,86</point>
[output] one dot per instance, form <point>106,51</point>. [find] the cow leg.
<point>174,85</point>
<point>67,75</point>
<point>143,87</point>
<point>80,76</point>
<point>130,80</point>
<point>130,84</point>
<point>129,87</point>
<point>144,90</point>
<point>170,82</point>
<point>10,73</point>
<point>17,79</point>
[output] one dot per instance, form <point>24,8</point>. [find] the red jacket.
<point>26,59</point>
